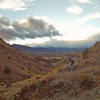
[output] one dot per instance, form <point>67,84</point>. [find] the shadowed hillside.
<point>15,65</point>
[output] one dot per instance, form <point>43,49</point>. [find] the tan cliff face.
<point>15,65</point>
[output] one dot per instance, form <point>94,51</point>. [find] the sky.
<point>50,23</point>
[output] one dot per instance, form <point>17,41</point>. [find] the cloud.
<point>75,31</point>
<point>4,20</point>
<point>84,1</point>
<point>28,41</point>
<point>30,27</point>
<point>67,44</point>
<point>75,10</point>
<point>71,44</point>
<point>14,5</point>
<point>88,18</point>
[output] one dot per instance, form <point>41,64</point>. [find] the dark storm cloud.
<point>31,27</point>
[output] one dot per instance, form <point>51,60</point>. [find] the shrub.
<point>7,70</point>
<point>6,52</point>
<point>59,70</point>
<point>38,77</point>
<point>22,68</point>
<point>82,78</point>
<point>9,57</point>
<point>29,64</point>
<point>2,84</point>
<point>85,53</point>
<point>86,81</point>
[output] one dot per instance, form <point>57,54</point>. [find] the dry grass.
<point>82,83</point>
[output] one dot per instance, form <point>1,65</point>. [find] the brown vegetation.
<point>15,65</point>
<point>24,77</point>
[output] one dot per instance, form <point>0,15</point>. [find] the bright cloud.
<point>88,17</point>
<point>30,42</point>
<point>74,32</point>
<point>14,5</point>
<point>84,1</point>
<point>75,10</point>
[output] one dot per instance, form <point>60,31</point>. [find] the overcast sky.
<point>60,23</point>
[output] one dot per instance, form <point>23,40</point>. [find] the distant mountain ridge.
<point>47,49</point>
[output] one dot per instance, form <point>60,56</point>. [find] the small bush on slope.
<point>7,70</point>
<point>85,53</point>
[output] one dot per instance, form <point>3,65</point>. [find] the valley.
<point>58,76</point>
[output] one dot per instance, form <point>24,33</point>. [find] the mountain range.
<point>46,49</point>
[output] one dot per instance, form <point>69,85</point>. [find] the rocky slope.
<point>81,83</point>
<point>15,65</point>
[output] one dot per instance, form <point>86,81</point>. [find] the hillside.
<point>15,65</point>
<point>80,82</point>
